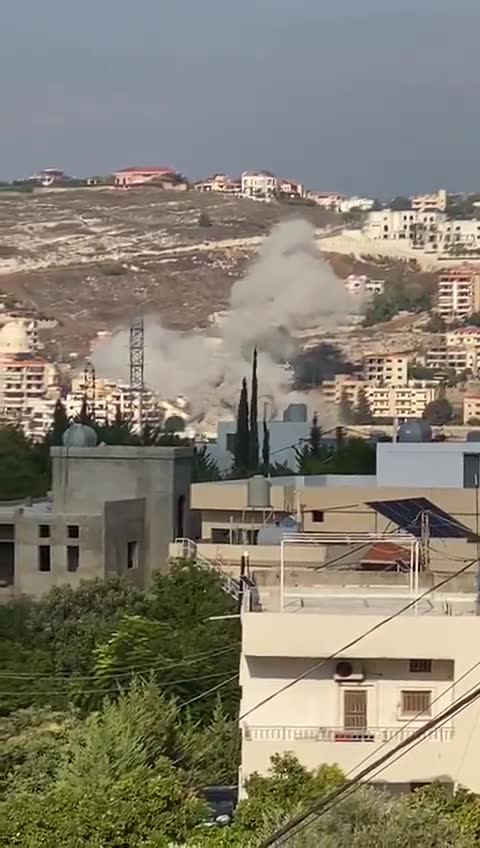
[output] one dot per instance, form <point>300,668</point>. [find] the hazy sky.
<point>362,96</point>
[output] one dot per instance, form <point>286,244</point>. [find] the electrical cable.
<point>357,639</point>
<point>326,804</point>
<point>123,673</point>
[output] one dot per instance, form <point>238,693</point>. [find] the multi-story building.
<point>361,285</point>
<point>330,200</point>
<point>430,202</point>
<point>471,409</point>
<point>468,337</point>
<point>386,368</point>
<point>459,292</point>
<point>221,184</point>
<point>291,188</point>
<point>375,691</point>
<point>386,401</point>
<point>459,236</point>
<point>420,229</point>
<point>259,184</point>
<point>462,358</point>
<point>107,399</point>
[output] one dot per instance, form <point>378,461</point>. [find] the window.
<point>354,708</point>
<point>471,470</point>
<point>7,532</point>
<point>73,557</point>
<point>73,531</point>
<point>44,531</point>
<point>220,535</point>
<point>317,516</point>
<point>132,554</point>
<point>231,439</point>
<point>44,557</point>
<point>419,666</point>
<point>416,701</point>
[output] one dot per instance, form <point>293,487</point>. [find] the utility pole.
<point>137,362</point>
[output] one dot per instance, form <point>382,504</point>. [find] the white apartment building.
<point>430,202</point>
<point>466,336</point>
<point>365,204</point>
<point>386,401</point>
<point>291,187</point>
<point>362,286</point>
<point>328,199</point>
<point>460,235</point>
<point>259,183</point>
<point>462,358</point>
<point>459,293</point>
<point>371,695</point>
<point>421,229</point>
<point>111,398</point>
<point>221,184</point>
<point>386,368</point>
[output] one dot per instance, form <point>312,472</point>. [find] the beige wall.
<point>277,648</point>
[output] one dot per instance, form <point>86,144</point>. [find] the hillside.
<point>93,257</point>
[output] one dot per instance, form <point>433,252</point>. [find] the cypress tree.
<point>315,436</point>
<point>242,438</point>
<point>60,423</point>
<point>253,441</point>
<point>266,448</point>
<point>362,411</point>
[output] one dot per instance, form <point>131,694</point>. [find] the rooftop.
<point>146,169</point>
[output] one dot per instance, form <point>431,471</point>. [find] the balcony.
<point>262,733</point>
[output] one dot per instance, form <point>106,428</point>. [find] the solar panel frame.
<point>407,513</point>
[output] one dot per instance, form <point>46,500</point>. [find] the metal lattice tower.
<point>137,355</point>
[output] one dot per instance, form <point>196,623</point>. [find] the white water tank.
<point>79,436</point>
<point>258,492</point>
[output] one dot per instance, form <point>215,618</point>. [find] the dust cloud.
<point>289,287</point>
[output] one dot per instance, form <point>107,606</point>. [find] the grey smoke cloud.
<point>289,287</point>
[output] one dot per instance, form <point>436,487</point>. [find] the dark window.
<point>180,517</point>
<point>317,515</point>
<point>73,531</point>
<point>220,535</point>
<point>471,470</point>
<point>132,554</point>
<point>44,557</point>
<point>7,532</point>
<point>419,666</point>
<point>44,531</point>
<point>73,557</point>
<point>231,439</point>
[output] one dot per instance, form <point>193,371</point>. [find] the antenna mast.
<point>137,360</point>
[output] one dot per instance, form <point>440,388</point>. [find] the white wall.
<point>424,464</point>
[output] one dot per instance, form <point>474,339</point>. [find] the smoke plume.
<point>289,287</point>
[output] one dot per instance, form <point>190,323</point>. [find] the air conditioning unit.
<point>347,671</point>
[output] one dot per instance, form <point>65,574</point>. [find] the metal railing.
<point>279,733</point>
<point>188,549</point>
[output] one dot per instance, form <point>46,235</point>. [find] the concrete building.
<point>112,398</point>
<point>459,236</point>
<point>113,511</point>
<point>138,175</point>
<point>330,200</point>
<point>291,188</point>
<point>371,695</point>
<point>420,229</point>
<point>471,409</point>
<point>363,286</point>
<point>458,359</point>
<point>459,293</point>
<point>468,337</point>
<point>259,184</point>
<point>386,401</point>
<point>387,369</point>
<point>221,184</point>
<point>430,202</point>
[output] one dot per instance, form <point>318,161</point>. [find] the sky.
<point>371,97</point>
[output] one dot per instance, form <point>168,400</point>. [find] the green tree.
<point>435,324</point>
<point>174,424</point>
<point>362,411</point>
<point>22,473</point>
<point>242,438</point>
<point>204,467</point>
<point>315,437</point>
<point>253,426</point>
<point>438,412</point>
<point>346,413</point>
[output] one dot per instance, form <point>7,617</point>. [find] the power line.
<point>357,639</point>
<point>122,673</point>
<point>326,804</point>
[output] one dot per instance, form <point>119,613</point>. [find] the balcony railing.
<point>339,734</point>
